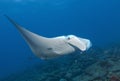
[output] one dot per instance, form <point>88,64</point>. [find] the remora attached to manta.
<point>46,48</point>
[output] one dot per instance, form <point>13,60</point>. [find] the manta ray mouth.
<point>76,48</point>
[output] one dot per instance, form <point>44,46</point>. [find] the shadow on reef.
<point>94,65</point>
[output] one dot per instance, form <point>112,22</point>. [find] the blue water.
<point>97,20</point>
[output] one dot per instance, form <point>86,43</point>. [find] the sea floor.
<point>94,65</point>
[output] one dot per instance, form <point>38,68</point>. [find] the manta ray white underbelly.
<point>46,48</point>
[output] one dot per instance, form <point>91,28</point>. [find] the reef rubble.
<point>95,65</point>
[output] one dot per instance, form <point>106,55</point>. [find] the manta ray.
<point>46,48</point>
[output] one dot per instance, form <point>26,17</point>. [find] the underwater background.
<point>97,20</point>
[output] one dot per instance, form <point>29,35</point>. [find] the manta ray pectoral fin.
<point>33,40</point>
<point>13,22</point>
<point>27,35</point>
<point>22,30</point>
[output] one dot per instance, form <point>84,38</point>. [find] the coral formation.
<point>95,65</point>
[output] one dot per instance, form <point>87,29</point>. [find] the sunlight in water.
<point>18,0</point>
<point>24,0</point>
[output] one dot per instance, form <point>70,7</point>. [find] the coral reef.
<point>94,65</point>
